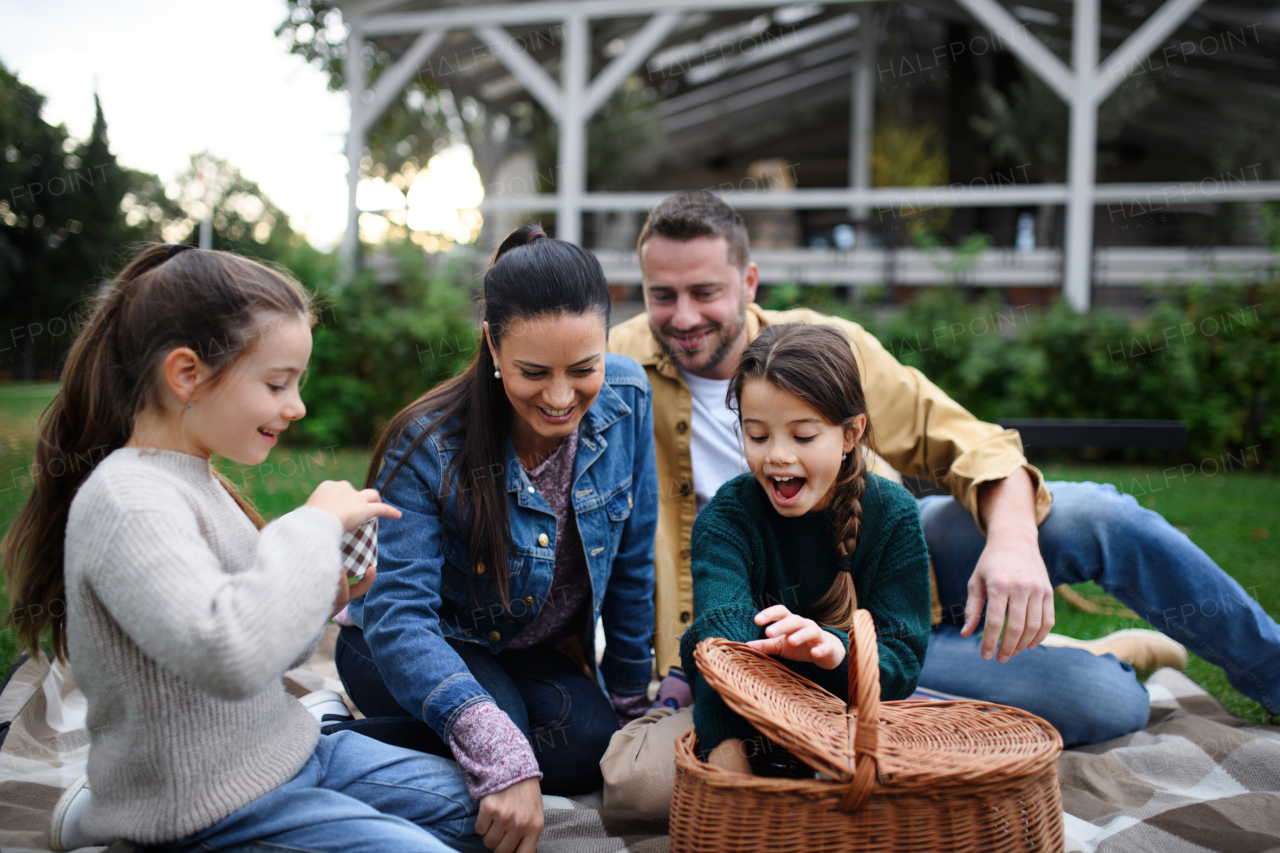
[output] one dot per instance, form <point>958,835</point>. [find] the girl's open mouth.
<point>786,490</point>
<point>267,434</point>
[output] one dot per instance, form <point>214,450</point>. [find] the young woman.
<point>182,609</point>
<point>793,548</point>
<point>528,487</point>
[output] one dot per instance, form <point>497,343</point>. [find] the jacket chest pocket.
<point>619,506</point>
<point>467,586</point>
<point>617,511</point>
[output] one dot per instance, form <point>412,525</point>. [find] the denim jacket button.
<point>528,602</point>
<point>494,636</point>
<point>543,539</point>
<point>479,568</point>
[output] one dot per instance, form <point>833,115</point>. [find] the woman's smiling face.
<point>552,371</point>
<point>793,451</point>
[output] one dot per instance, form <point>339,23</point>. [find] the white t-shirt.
<point>714,447</point>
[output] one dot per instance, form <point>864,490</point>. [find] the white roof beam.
<point>751,79</point>
<point>1023,44</point>
<point>543,11</point>
<point>637,51</point>
<point>1136,48</point>
<point>524,68</point>
<point>392,82</point>
<point>753,97</point>
<point>774,48</point>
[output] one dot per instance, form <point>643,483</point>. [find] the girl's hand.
<point>350,507</point>
<point>347,594</point>
<point>797,638</point>
<point>510,820</point>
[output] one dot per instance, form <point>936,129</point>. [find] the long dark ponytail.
<point>167,297</point>
<point>531,275</point>
<point>816,364</point>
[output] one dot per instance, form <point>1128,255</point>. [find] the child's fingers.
<point>789,625</point>
<point>771,646</point>
<point>772,614</point>
<point>382,510</point>
<point>362,586</point>
<point>810,633</point>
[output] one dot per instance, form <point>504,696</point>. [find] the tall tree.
<point>61,228</point>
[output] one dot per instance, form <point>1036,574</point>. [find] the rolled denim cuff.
<point>626,677</point>
<point>450,698</point>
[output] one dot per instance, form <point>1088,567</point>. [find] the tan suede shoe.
<point>1142,649</point>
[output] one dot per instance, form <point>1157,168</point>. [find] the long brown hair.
<point>167,297</point>
<point>531,275</point>
<point>816,364</point>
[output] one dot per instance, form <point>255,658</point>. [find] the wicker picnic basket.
<point>902,776</point>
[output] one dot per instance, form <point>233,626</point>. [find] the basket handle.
<point>864,695</point>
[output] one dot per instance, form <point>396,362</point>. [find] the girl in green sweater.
<point>784,555</point>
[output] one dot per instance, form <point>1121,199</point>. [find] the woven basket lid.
<point>889,746</point>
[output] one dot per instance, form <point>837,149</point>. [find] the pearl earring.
<point>497,374</point>
<point>844,456</point>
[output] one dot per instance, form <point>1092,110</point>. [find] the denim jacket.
<point>426,591</point>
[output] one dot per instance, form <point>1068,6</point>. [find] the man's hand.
<point>1011,578</point>
<point>510,820</point>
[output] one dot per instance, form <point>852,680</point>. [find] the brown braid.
<point>836,608</point>
<point>815,363</point>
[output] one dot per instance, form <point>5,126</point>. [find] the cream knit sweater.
<point>181,618</point>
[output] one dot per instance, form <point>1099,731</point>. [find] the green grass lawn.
<point>1234,517</point>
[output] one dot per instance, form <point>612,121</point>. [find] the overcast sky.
<point>179,76</point>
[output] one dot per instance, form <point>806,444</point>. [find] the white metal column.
<point>1078,276</point>
<point>353,70</point>
<point>572,154</point>
<point>862,109</point>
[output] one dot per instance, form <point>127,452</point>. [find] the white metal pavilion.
<point>577,95</point>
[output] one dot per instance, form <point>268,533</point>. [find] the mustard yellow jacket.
<point>920,432</point>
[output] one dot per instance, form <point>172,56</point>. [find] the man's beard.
<point>720,353</point>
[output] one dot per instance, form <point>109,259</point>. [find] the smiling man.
<point>999,544</point>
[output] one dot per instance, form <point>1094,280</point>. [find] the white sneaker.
<point>65,832</point>
<point>327,707</point>
<point>1140,648</point>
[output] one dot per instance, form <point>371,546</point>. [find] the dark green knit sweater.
<point>747,557</point>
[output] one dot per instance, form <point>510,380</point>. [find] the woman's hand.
<point>350,507</point>
<point>797,638</point>
<point>510,820</point>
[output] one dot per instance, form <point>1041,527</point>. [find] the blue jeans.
<point>354,795</point>
<point>1094,533</point>
<point>566,716</point>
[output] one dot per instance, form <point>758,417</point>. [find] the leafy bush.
<point>378,347</point>
<point>1209,356</point>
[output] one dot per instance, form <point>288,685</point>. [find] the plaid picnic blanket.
<point>1196,779</point>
